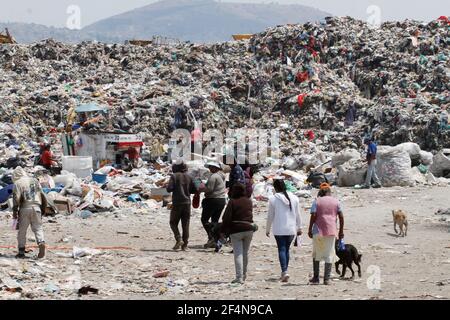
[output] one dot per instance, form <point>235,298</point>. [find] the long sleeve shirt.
<point>215,186</point>
<point>27,192</point>
<point>182,186</point>
<point>284,220</point>
<point>238,210</point>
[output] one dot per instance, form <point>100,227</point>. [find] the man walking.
<point>215,200</point>
<point>29,202</point>
<point>182,186</point>
<point>371,158</point>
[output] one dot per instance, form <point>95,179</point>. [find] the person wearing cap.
<point>214,201</point>
<point>182,186</point>
<point>322,229</point>
<point>371,158</point>
<point>29,202</point>
<point>284,218</point>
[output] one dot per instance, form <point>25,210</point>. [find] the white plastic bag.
<point>394,167</point>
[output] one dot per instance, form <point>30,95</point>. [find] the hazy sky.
<point>54,12</point>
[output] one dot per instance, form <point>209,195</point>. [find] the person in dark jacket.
<point>237,222</point>
<point>182,186</point>
<point>248,182</point>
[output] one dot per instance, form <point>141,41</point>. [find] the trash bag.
<point>412,148</point>
<point>290,164</point>
<point>316,179</point>
<point>426,158</point>
<point>351,173</point>
<point>261,191</point>
<point>65,178</point>
<point>441,164</point>
<point>394,167</point>
<point>344,156</point>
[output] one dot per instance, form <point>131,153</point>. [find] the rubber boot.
<point>326,277</point>
<point>21,253</point>
<point>316,269</point>
<point>41,253</point>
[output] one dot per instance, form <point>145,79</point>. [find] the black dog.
<point>346,258</point>
<point>216,234</point>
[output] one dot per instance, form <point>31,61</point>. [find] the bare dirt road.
<point>134,246</point>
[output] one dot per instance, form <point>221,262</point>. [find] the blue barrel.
<point>99,178</point>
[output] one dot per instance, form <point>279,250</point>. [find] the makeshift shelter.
<point>105,147</point>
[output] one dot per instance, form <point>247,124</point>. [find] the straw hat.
<point>214,164</point>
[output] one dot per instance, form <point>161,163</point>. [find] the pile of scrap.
<point>6,38</point>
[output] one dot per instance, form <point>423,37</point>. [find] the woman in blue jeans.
<point>238,223</point>
<point>284,218</point>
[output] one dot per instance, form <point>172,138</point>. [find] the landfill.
<point>341,79</point>
<point>325,86</point>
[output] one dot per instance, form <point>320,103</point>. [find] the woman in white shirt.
<point>284,218</point>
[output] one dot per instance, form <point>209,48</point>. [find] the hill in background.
<point>187,20</point>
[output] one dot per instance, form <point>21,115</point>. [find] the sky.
<point>54,12</point>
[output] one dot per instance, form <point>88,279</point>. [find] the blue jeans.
<point>372,173</point>
<point>284,243</point>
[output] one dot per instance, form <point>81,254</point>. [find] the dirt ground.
<point>137,245</point>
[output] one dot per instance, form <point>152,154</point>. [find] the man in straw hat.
<point>215,199</point>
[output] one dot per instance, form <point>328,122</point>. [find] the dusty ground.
<point>417,266</point>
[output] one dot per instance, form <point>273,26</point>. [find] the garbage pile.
<point>324,85</point>
<point>396,77</point>
<point>340,78</point>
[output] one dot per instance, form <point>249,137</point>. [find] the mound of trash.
<point>341,78</point>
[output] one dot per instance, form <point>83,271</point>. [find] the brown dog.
<point>401,220</point>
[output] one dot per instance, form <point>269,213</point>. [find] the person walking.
<point>237,222</point>
<point>371,158</point>
<point>182,186</point>
<point>214,201</point>
<point>284,218</point>
<point>322,229</point>
<point>237,175</point>
<point>29,202</point>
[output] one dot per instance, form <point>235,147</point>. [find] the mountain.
<point>31,32</point>
<point>187,20</point>
<point>201,20</point>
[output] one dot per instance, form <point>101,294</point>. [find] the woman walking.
<point>237,222</point>
<point>322,229</point>
<point>284,218</point>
